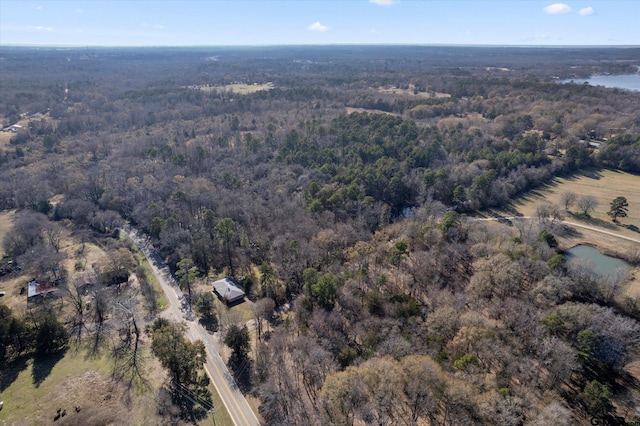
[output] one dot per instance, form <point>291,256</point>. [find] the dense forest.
<point>338,183</point>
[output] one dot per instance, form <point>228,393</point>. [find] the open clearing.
<point>34,389</point>
<point>237,88</point>
<point>605,185</point>
<point>411,92</point>
<point>5,137</point>
<point>370,111</point>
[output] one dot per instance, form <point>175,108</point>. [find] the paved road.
<point>234,401</point>
<point>578,225</point>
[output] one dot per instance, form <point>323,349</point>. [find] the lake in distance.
<point>625,81</point>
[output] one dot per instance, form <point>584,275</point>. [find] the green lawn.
<point>32,387</point>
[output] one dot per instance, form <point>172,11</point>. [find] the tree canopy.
<point>619,208</point>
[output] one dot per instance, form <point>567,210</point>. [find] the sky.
<point>311,22</point>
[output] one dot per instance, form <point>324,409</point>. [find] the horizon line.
<point>84,46</point>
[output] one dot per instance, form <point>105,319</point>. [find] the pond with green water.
<point>602,265</point>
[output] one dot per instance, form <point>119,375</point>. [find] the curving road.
<point>225,385</point>
<point>578,225</point>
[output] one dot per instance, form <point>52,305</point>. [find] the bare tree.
<point>587,203</point>
<point>553,414</point>
<point>262,310</point>
<point>26,232</point>
<point>99,307</point>
<point>567,199</point>
<point>543,211</point>
<point>74,294</point>
<point>53,235</point>
<point>610,285</point>
<point>128,363</point>
<point>559,359</point>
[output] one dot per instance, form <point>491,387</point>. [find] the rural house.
<point>228,291</point>
<point>40,287</point>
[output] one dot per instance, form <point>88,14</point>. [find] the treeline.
<point>450,321</point>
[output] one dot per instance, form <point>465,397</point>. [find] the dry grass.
<point>10,284</point>
<point>5,137</point>
<point>605,185</point>
<point>370,111</point>
<point>410,93</point>
<point>77,380</point>
<point>6,222</point>
<point>161,298</point>
<point>238,88</point>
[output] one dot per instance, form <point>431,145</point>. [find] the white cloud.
<point>39,7</point>
<point>317,26</point>
<point>39,28</point>
<point>154,26</point>
<point>586,11</point>
<point>557,9</point>
<point>383,2</point>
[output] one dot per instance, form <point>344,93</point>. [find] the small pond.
<point>602,265</point>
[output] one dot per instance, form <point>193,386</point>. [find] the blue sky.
<point>266,22</point>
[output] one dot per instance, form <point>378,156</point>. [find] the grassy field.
<point>161,299</point>
<point>238,88</point>
<point>410,93</point>
<point>370,111</point>
<point>5,137</point>
<point>33,390</point>
<point>605,185</point>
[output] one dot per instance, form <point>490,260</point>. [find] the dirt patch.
<point>633,368</point>
<point>96,396</point>
<point>370,111</point>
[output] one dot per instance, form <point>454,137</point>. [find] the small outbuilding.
<point>40,287</point>
<point>228,291</point>
<point>14,128</point>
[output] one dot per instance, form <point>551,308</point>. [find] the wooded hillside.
<point>394,305</point>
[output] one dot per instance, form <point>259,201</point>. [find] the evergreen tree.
<point>619,208</point>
